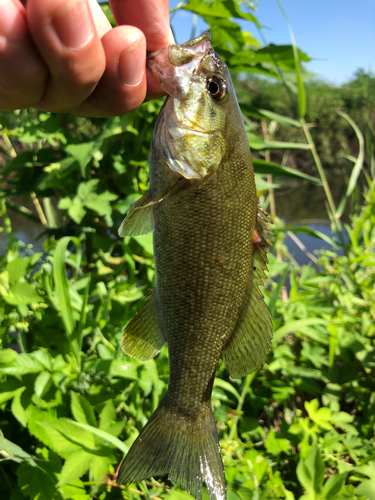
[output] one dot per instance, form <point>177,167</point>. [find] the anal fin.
<point>143,338</point>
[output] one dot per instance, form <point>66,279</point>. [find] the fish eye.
<point>216,88</point>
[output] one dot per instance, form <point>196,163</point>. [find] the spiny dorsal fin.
<point>251,340</point>
<point>143,338</point>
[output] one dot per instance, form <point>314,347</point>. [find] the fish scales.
<point>209,249</point>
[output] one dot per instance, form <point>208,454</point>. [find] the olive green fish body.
<point>210,250</point>
<point>203,261</point>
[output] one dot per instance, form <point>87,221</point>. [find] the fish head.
<point>200,117</point>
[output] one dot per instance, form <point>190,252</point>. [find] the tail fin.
<point>170,444</point>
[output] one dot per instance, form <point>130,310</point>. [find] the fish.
<point>210,245</point>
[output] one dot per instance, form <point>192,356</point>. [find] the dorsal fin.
<point>251,340</point>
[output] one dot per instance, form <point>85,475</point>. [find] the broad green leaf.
<point>36,427</point>
<point>146,242</point>
<point>66,438</point>
<point>310,472</point>
<point>75,466</point>
<point>224,8</point>
<point>320,416</point>
<point>22,293</point>
<point>17,268</point>
<point>276,444</point>
<point>367,489</point>
<point>23,364</point>
<point>42,383</point>
<point>82,410</point>
<point>282,55</point>
<point>83,153</point>
<point>37,484</point>
<point>19,412</point>
<point>332,486</point>
<point>7,356</point>
<point>75,490</point>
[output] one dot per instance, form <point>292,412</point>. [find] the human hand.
<point>64,56</point>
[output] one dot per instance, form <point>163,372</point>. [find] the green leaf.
<point>75,490</point>
<point>223,384</point>
<point>7,356</point>
<point>11,451</point>
<point>42,383</point>
<point>292,326</point>
<point>83,153</point>
<point>82,410</point>
<point>23,364</point>
<point>22,293</point>
<point>66,438</point>
<point>17,268</point>
<point>7,395</point>
<point>36,484</point>
<point>269,115</point>
<point>276,444</point>
<point>367,489</point>
<point>272,299</point>
<point>269,168</point>
<point>297,59</point>
<point>20,413</point>
<point>104,435</point>
<point>257,143</point>
<point>320,416</point>
<point>310,472</point>
<point>225,9</point>
<point>310,232</point>
<point>75,466</point>
<point>62,283</point>
<point>358,165</point>
<point>332,486</point>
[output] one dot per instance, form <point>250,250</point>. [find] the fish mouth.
<point>178,61</point>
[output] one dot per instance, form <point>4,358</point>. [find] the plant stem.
<point>247,384</point>
<point>39,209</point>
<point>335,217</point>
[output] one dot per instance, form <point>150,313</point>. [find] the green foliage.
<point>71,402</point>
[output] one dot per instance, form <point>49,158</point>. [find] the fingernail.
<point>13,24</point>
<point>73,24</point>
<point>132,64</point>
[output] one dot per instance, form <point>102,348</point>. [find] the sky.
<point>338,34</point>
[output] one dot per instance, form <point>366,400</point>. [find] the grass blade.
<point>269,168</point>
<point>104,435</point>
<point>358,165</point>
<point>301,90</point>
<point>62,283</point>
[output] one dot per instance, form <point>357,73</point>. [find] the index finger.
<point>150,16</point>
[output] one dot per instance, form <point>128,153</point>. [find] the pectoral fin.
<point>143,338</point>
<point>139,218</point>
<point>251,340</point>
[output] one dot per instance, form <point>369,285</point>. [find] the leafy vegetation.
<point>71,403</point>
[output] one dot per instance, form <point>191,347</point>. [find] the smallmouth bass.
<point>210,251</point>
